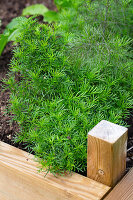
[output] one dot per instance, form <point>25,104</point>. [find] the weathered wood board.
<point>124,189</point>
<point>19,180</point>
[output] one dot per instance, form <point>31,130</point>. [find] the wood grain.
<point>19,180</point>
<point>106,159</point>
<point>4,196</point>
<point>124,189</point>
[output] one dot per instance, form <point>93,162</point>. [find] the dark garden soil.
<point>8,10</point>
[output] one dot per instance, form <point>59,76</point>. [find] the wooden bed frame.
<point>20,179</point>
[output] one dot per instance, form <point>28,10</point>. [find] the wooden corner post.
<point>106,154</point>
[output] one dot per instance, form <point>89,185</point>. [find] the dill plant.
<point>71,77</point>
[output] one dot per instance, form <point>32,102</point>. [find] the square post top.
<point>108,131</point>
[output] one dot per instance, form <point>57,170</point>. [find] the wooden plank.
<point>19,180</point>
<point>124,189</point>
<point>106,159</point>
<point>4,196</point>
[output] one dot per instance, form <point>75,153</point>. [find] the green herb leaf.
<point>3,42</point>
<point>37,9</point>
<point>50,16</point>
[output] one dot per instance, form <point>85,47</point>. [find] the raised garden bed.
<point>7,129</point>
<point>19,179</point>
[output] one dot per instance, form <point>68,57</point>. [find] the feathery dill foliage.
<point>71,77</point>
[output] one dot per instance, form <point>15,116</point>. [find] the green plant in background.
<point>71,77</point>
<point>11,32</point>
<point>12,29</point>
<point>3,41</point>
<point>40,9</point>
<point>60,4</point>
<point>49,15</point>
<point>99,11</point>
<point>35,10</point>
